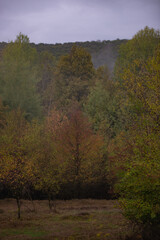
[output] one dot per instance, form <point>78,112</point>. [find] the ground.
<point>71,220</point>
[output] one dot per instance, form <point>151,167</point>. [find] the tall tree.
<point>73,77</point>
<point>19,77</point>
<point>139,182</point>
<point>47,65</point>
<point>105,106</point>
<point>82,151</point>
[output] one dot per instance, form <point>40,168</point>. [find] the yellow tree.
<point>41,148</point>
<point>14,164</point>
<point>139,185</point>
<point>140,47</point>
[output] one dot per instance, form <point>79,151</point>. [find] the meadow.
<point>69,220</point>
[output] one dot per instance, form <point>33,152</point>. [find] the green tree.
<point>47,65</point>
<point>106,108</point>
<point>19,77</point>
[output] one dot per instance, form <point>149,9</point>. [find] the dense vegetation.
<point>102,52</point>
<point>69,130</point>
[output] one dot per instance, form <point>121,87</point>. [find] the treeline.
<point>102,52</point>
<point>69,130</point>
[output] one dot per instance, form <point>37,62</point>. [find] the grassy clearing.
<point>74,219</point>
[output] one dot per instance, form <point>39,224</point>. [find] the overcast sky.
<point>58,21</point>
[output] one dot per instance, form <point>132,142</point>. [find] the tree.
<point>14,163</point>
<point>72,79</point>
<point>2,115</point>
<point>139,184</point>
<point>142,89</point>
<point>106,109</point>
<point>47,65</point>
<point>140,47</point>
<point>104,77</point>
<point>19,77</point>
<point>81,150</point>
<point>41,149</point>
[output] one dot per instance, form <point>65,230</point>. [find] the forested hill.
<point>102,52</point>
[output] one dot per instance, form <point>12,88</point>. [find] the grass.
<point>74,220</point>
<point>24,231</point>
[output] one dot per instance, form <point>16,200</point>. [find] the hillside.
<point>103,53</point>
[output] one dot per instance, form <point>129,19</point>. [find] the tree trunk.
<point>19,207</point>
<point>30,197</point>
<point>50,202</point>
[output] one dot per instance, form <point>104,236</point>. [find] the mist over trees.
<point>70,130</point>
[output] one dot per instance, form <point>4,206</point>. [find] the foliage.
<point>102,52</point>
<point>104,111</point>
<point>46,65</point>
<point>105,106</point>
<point>143,87</point>
<point>14,164</point>
<point>81,150</point>
<point>19,76</point>
<point>72,79</point>
<point>46,168</point>
<point>139,185</point>
<point>140,47</point>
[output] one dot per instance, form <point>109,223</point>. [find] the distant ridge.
<point>102,52</point>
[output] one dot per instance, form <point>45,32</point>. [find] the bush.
<point>140,193</point>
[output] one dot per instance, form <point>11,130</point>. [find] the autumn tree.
<point>140,47</point>
<point>19,77</point>
<point>81,150</point>
<point>15,166</point>
<point>103,76</point>
<point>41,149</point>
<point>73,77</point>
<point>139,182</point>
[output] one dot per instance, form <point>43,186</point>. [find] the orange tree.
<point>81,150</point>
